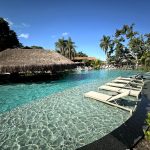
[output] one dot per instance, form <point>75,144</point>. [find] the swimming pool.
<point>55,115</point>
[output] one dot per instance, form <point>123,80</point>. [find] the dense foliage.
<point>147,133</point>
<point>95,64</point>
<point>8,38</point>
<point>32,47</point>
<point>126,44</point>
<point>81,54</point>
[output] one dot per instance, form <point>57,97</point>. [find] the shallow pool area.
<point>55,115</point>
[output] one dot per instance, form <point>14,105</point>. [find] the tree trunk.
<point>69,53</point>
<point>137,62</point>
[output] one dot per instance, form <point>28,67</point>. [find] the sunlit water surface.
<point>55,115</point>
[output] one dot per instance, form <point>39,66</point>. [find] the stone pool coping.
<point>130,132</point>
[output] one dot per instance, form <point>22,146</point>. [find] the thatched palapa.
<point>33,60</point>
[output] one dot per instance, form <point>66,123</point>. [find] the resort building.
<point>82,59</point>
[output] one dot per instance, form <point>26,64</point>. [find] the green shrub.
<point>147,133</point>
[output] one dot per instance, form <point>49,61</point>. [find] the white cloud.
<point>9,22</point>
<point>21,25</point>
<point>24,35</point>
<point>65,33</point>
<point>25,25</point>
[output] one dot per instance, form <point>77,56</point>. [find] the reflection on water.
<point>56,115</point>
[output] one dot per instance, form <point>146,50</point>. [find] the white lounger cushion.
<point>97,96</point>
<point>104,97</point>
<point>123,86</point>
<point>126,93</point>
<point>120,90</point>
<point>130,79</point>
<point>127,82</point>
<point>116,84</point>
<point>121,81</point>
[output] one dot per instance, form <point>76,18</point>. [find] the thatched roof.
<point>84,58</point>
<point>24,60</point>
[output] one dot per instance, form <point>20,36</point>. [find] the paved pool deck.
<point>129,133</point>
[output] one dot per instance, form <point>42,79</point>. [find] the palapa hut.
<point>33,60</point>
<point>81,59</point>
<point>32,65</point>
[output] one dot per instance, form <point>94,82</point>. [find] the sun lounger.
<point>116,84</point>
<point>104,97</point>
<point>124,85</point>
<point>147,73</point>
<point>133,79</point>
<point>121,81</point>
<point>107,98</point>
<point>121,90</point>
<point>128,82</point>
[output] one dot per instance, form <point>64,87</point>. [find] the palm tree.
<point>70,47</point>
<point>134,43</point>
<point>125,29</point>
<point>118,33</point>
<point>60,44</point>
<point>107,45</point>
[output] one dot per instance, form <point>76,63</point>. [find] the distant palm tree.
<point>70,47</point>
<point>118,33</point>
<point>125,29</point>
<point>106,45</point>
<point>61,45</point>
<point>129,33</point>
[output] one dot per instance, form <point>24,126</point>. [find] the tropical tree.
<point>66,47</point>
<point>61,45</point>
<point>36,47</point>
<point>96,63</point>
<point>8,38</point>
<point>70,47</point>
<point>107,46</point>
<point>118,47</point>
<point>127,44</point>
<point>145,57</point>
<point>147,41</point>
<point>81,54</point>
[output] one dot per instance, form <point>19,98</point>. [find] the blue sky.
<point>42,22</point>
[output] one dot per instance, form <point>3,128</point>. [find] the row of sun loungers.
<point>132,92</point>
<point>123,86</point>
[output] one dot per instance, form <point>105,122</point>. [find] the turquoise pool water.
<point>55,115</point>
<point>14,95</point>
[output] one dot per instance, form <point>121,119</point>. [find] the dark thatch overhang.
<point>33,60</point>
